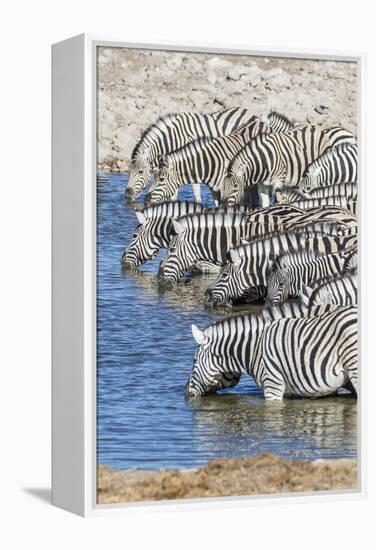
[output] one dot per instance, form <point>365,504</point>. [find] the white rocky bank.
<point>135,87</point>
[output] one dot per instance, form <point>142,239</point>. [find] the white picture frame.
<point>74,274</point>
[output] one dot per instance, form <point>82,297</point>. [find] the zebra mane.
<point>150,130</point>
<point>211,218</point>
<point>171,209</point>
<point>316,165</point>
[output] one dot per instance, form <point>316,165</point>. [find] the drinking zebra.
<point>309,356</point>
<point>278,160</point>
<point>338,165</point>
<point>249,265</point>
<point>206,160</point>
<point>342,290</point>
<point>201,161</point>
<point>174,130</point>
<point>291,271</point>
<point>206,237</point>
<point>296,194</point>
<point>154,230</point>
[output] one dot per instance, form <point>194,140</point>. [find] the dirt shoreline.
<point>135,87</point>
<point>261,474</point>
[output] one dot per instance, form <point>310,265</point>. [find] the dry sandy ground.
<point>135,87</point>
<point>262,474</point>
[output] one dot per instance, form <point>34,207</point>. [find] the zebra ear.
<point>141,217</point>
<point>235,257</point>
<point>198,335</point>
<point>177,226</point>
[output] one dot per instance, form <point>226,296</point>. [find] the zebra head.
<point>145,243</point>
<point>233,188</point>
<point>212,370</point>
<point>278,286</point>
<point>139,176</point>
<point>313,178</point>
<point>181,256</point>
<point>233,282</point>
<point>166,182</point>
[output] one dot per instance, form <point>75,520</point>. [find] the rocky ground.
<point>135,87</point>
<point>262,474</point>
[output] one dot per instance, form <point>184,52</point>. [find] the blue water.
<point>144,358</point>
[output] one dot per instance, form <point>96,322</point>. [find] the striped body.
<point>347,190</point>
<point>309,356</point>
<point>343,202</point>
<point>340,290</point>
<point>175,130</point>
<point>338,165</point>
<point>249,265</point>
<point>206,160</point>
<point>208,236</point>
<point>293,271</point>
<point>278,160</point>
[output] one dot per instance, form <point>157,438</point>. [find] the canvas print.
<point>227,192</point>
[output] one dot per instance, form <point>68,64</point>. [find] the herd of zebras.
<point>283,231</point>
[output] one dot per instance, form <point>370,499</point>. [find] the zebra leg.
<point>272,196</point>
<point>274,387</point>
<point>196,188</point>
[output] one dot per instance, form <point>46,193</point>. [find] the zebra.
<point>344,202</point>
<point>194,235</point>
<point>310,356</point>
<point>174,130</point>
<point>341,290</point>
<point>292,271</point>
<point>201,161</point>
<point>338,165</point>
<point>205,160</point>
<point>249,265</point>
<point>206,237</point>
<point>278,160</point>
<point>296,194</point>
<point>154,231</point>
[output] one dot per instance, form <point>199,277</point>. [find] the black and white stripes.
<point>304,248</point>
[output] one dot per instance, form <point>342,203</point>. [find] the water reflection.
<point>297,428</point>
